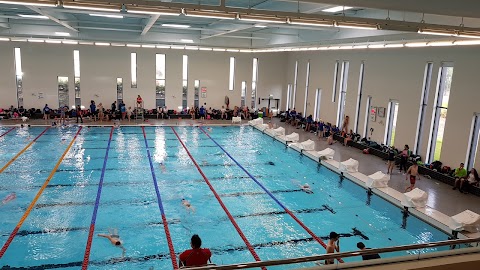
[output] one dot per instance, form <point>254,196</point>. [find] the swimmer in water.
<point>306,187</point>
<point>10,197</point>
<point>114,238</point>
<point>188,205</point>
<point>162,167</point>
<point>209,129</point>
<point>204,163</point>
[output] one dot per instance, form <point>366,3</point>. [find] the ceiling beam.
<point>227,32</point>
<point>41,12</point>
<point>150,23</point>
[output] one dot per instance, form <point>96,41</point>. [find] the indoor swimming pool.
<point>244,188</point>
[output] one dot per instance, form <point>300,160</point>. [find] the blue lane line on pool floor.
<point>86,256</point>
<point>160,205</point>
<point>269,193</point>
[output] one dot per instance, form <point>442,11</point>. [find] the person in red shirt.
<point>139,100</point>
<point>196,256</point>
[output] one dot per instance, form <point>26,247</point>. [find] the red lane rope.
<point>8,131</point>
<point>318,239</point>
<point>160,205</point>
<point>234,223</point>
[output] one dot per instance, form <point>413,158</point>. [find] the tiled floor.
<point>441,196</point>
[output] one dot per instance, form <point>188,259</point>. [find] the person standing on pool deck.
<point>196,256</point>
<point>413,172</point>
<point>332,246</point>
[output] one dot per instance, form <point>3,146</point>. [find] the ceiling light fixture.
<point>154,11</point>
<point>360,47</point>
<point>436,32</point>
<point>70,42</point>
<point>26,3</point>
<point>36,40</point>
<point>262,19</point>
<point>62,34</point>
<point>173,25</point>
<point>399,45</point>
<point>467,42</point>
<point>218,50</point>
<point>102,44</point>
<point>163,47</point>
<point>209,14</point>
<point>352,25</point>
<point>376,46</point>
<point>134,45</point>
<point>416,44</point>
<point>191,48</point>
<point>186,40</point>
<point>468,35</point>
<point>204,49</point>
<point>117,45</point>
<point>33,16</point>
<point>148,46</point>
<point>440,43</point>
<point>106,15</point>
<point>348,47</point>
<point>92,7</point>
<point>85,43</point>
<point>4,39</point>
<point>53,41</point>
<point>336,9</point>
<point>307,22</point>
<point>260,26</point>
<point>177,47</point>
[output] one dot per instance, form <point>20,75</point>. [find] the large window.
<point>244,93</point>
<point>185,82</point>
<point>473,141</point>
<point>295,85</point>
<point>160,80</point>
<point>391,124</point>
<point>289,93</point>
<point>359,97</point>
<point>423,106</point>
<point>133,69</point>
<point>19,76</point>
<point>335,81</point>
<point>318,101</point>
<point>307,81</point>
<point>196,90</point>
<point>76,68</point>
<point>119,90</point>
<point>367,117</point>
<point>439,116</point>
<point>231,77</point>
<point>63,97</point>
<point>343,93</point>
<point>254,82</point>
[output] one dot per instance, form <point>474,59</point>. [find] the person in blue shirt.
<point>320,129</point>
<point>309,123</point>
<point>46,112</point>
<point>202,113</point>
<point>123,110</point>
<point>93,110</point>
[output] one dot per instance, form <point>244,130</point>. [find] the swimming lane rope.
<point>230,217</point>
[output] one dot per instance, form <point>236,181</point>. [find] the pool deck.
<point>442,200</point>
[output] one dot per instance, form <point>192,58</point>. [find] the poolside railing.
<point>474,248</point>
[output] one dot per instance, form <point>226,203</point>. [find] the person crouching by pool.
<point>333,245</point>
<point>196,256</point>
<point>114,238</point>
<point>373,256</point>
<point>413,172</point>
<point>188,205</point>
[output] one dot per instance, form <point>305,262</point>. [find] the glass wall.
<point>160,80</point>
<point>63,97</point>
<point>423,106</point>
<point>185,82</point>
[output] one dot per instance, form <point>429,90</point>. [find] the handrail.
<point>336,255</point>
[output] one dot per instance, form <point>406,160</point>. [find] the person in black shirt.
<point>361,246</point>
<point>392,153</point>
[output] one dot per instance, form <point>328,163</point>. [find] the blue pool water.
<point>54,234</point>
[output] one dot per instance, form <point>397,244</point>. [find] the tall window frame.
<point>295,78</point>
<point>160,80</point>
<point>335,81</point>
<point>289,94</point>
<point>133,69</point>
<point>439,115</point>
<point>243,94</point>
<point>119,90</point>
<point>427,79</point>
<point>254,83</point>
<point>196,93</point>
<point>63,95</point>
<point>473,142</point>
<point>307,82</point>
<point>367,116</point>
<point>359,96</point>
<point>231,76</point>
<point>318,102</point>
<point>342,93</point>
<point>391,122</point>
<point>185,81</point>
<point>18,75</point>
<point>76,68</point>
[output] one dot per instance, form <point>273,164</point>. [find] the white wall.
<point>397,74</point>
<point>100,66</point>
